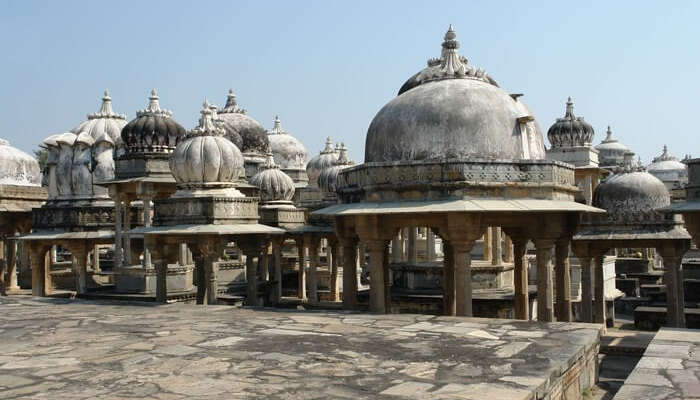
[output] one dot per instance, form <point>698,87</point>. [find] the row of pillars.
<point>308,255</point>
<point>122,225</point>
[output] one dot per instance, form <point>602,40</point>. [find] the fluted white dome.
<point>104,123</point>
<point>273,183</point>
<point>321,161</point>
<point>17,167</point>
<point>288,151</point>
<point>205,156</point>
<point>328,179</point>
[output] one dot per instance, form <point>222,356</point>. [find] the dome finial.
<point>153,101</point>
<point>608,133</point>
<point>232,104</point>
<point>277,127</point>
<point>206,126</point>
<point>569,108</point>
<point>106,108</point>
<point>329,146</point>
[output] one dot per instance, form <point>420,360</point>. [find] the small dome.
<point>610,151</point>
<point>240,128</point>
<point>328,179</point>
<point>153,130</point>
<point>288,151</point>
<point>570,131</point>
<point>453,111</point>
<point>103,123</point>
<point>666,162</point>
<point>632,195</point>
<point>17,167</point>
<point>323,160</point>
<point>205,156</point>
<point>273,183</point>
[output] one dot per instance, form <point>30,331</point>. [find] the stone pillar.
<point>11,283</point>
<point>147,221</point>
<point>333,266</point>
<point>377,299</point>
<point>449,299</point>
<point>404,244</point>
<point>53,255</point>
<point>599,291</point>
<point>673,277</point>
<point>265,264</point>
<point>508,255</point>
<point>3,266</point>
<point>520,279</point>
<point>251,279</point>
<point>486,248</point>
<point>386,274</point>
<point>79,268</point>
<point>349,274</point>
<point>396,248</point>
<point>301,292</point>
<point>96,258</point>
<point>117,233</point>
<point>201,277</point>
<point>430,240</point>
<point>126,237</point>
<point>161,267</point>
<point>312,285</point>
<point>496,247</point>
<point>210,278</point>
<point>182,254</point>
<point>277,257</point>
<point>563,278</point>
<point>586,289</point>
<point>412,250</point>
<point>588,190</point>
<point>545,302</point>
<point>41,279</point>
<point>461,258</point>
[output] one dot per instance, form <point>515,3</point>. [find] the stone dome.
<point>273,183</point>
<point>153,130</point>
<point>669,170</point>
<point>240,128</point>
<point>452,110</point>
<point>321,161</point>
<point>570,131</point>
<point>103,122</point>
<point>206,156</point>
<point>288,151</point>
<point>328,179</point>
<point>631,196</point>
<point>611,152</point>
<point>17,167</point>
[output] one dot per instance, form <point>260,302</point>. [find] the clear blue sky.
<point>326,67</point>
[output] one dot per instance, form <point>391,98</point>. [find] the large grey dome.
<point>321,161</point>
<point>240,128</point>
<point>328,179</point>
<point>570,131</point>
<point>453,111</point>
<point>153,130</point>
<point>104,123</point>
<point>288,151</point>
<point>17,167</point>
<point>631,196</point>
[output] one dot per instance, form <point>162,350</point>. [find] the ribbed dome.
<point>453,111</point>
<point>273,183</point>
<point>631,196</point>
<point>240,128</point>
<point>17,167</point>
<point>288,151</point>
<point>104,122</point>
<point>328,179</point>
<point>321,161</point>
<point>153,130</point>
<point>570,131</point>
<point>611,151</point>
<point>205,156</point>
<point>666,162</point>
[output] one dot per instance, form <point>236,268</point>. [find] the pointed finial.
<point>329,146</point>
<point>569,108</point>
<point>608,133</point>
<point>106,95</point>
<point>278,123</point>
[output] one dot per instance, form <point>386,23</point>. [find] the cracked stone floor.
<point>73,349</point>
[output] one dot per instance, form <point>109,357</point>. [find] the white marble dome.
<point>288,151</point>
<point>105,122</point>
<point>17,167</point>
<point>611,152</point>
<point>324,159</point>
<point>452,110</point>
<point>668,169</point>
<point>274,184</point>
<point>206,156</point>
<point>328,179</point>
<point>244,131</point>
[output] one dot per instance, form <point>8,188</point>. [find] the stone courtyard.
<point>74,349</point>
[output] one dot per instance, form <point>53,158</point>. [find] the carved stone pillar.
<point>486,248</point>
<point>430,240</point>
<point>3,264</point>
<point>386,273</point>
<point>449,299</point>
<point>563,279</point>
<point>126,236</point>
<point>117,233</point>
<point>349,274</point>
<point>79,255</point>
<point>545,301</point>
<point>508,255</point>
<point>673,278</point>
<point>312,285</point>
<point>161,267</point>
<point>333,266</point>
<point>496,249</point>
<point>251,279</point>
<point>301,292</point>
<point>265,264</point>
<point>462,260</point>
<point>277,260</point>
<point>412,250</point>
<point>12,256</point>
<point>586,289</point>
<point>96,258</point>
<point>377,298</point>
<point>396,248</point>
<point>147,221</point>
<point>599,291</point>
<point>41,279</point>
<point>520,279</point>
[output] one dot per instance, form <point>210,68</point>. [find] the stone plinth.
<point>387,356</point>
<point>141,280</point>
<point>578,156</point>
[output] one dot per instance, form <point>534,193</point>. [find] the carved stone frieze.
<point>205,210</point>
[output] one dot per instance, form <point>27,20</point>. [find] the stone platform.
<point>59,348</point>
<point>670,368</point>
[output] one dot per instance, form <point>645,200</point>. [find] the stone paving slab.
<point>669,369</point>
<point>77,349</point>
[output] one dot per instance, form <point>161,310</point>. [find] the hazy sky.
<point>327,67</point>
